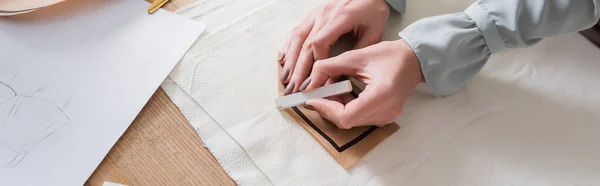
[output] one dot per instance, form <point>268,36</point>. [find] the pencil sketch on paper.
<point>25,121</point>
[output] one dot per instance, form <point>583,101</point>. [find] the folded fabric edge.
<point>241,169</point>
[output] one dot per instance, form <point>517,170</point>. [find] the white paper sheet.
<point>529,118</point>
<point>73,77</point>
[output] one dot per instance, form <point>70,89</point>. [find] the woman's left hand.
<point>312,39</point>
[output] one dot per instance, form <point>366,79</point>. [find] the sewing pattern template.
<point>330,140</point>
<point>347,146</point>
<point>25,121</point>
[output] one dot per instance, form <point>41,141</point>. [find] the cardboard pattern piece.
<point>347,146</point>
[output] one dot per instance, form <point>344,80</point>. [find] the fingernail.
<point>289,88</point>
<point>307,106</point>
<point>280,56</point>
<point>305,84</point>
<point>285,74</point>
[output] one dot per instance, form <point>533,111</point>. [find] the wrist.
<point>410,62</point>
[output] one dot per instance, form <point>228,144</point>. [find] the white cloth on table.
<point>529,118</point>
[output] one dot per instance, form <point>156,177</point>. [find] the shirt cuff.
<point>398,5</point>
<point>486,26</point>
<point>450,48</point>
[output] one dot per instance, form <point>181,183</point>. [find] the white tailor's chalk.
<point>301,97</point>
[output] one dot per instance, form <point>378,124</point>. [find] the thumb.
<point>344,64</point>
<point>330,110</point>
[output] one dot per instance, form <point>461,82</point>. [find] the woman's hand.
<point>311,40</point>
<point>390,69</point>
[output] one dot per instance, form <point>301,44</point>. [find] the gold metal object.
<point>156,5</point>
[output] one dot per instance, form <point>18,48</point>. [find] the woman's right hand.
<point>312,39</point>
<point>390,69</point>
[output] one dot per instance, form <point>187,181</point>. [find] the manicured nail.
<point>305,84</point>
<point>289,88</point>
<point>285,74</point>
<point>280,56</point>
<point>309,107</point>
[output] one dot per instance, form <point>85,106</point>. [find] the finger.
<point>363,110</point>
<point>302,68</point>
<point>306,58</point>
<point>330,33</point>
<point>346,98</point>
<point>343,99</point>
<point>368,37</point>
<point>345,64</point>
<point>330,110</point>
<point>299,35</point>
<point>358,112</point>
<point>337,98</point>
<point>308,81</point>
<point>332,80</point>
<point>286,45</point>
<point>283,50</point>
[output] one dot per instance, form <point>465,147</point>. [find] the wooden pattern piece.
<point>346,146</point>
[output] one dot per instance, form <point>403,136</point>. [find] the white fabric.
<point>226,150</point>
<point>529,118</point>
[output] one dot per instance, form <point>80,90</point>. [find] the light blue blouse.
<point>452,48</point>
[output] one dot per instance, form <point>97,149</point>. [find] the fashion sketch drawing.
<point>25,121</point>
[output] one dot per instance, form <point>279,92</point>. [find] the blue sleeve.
<point>452,48</point>
<point>397,5</point>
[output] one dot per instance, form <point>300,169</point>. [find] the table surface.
<point>160,148</point>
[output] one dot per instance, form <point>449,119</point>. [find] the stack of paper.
<point>73,77</point>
